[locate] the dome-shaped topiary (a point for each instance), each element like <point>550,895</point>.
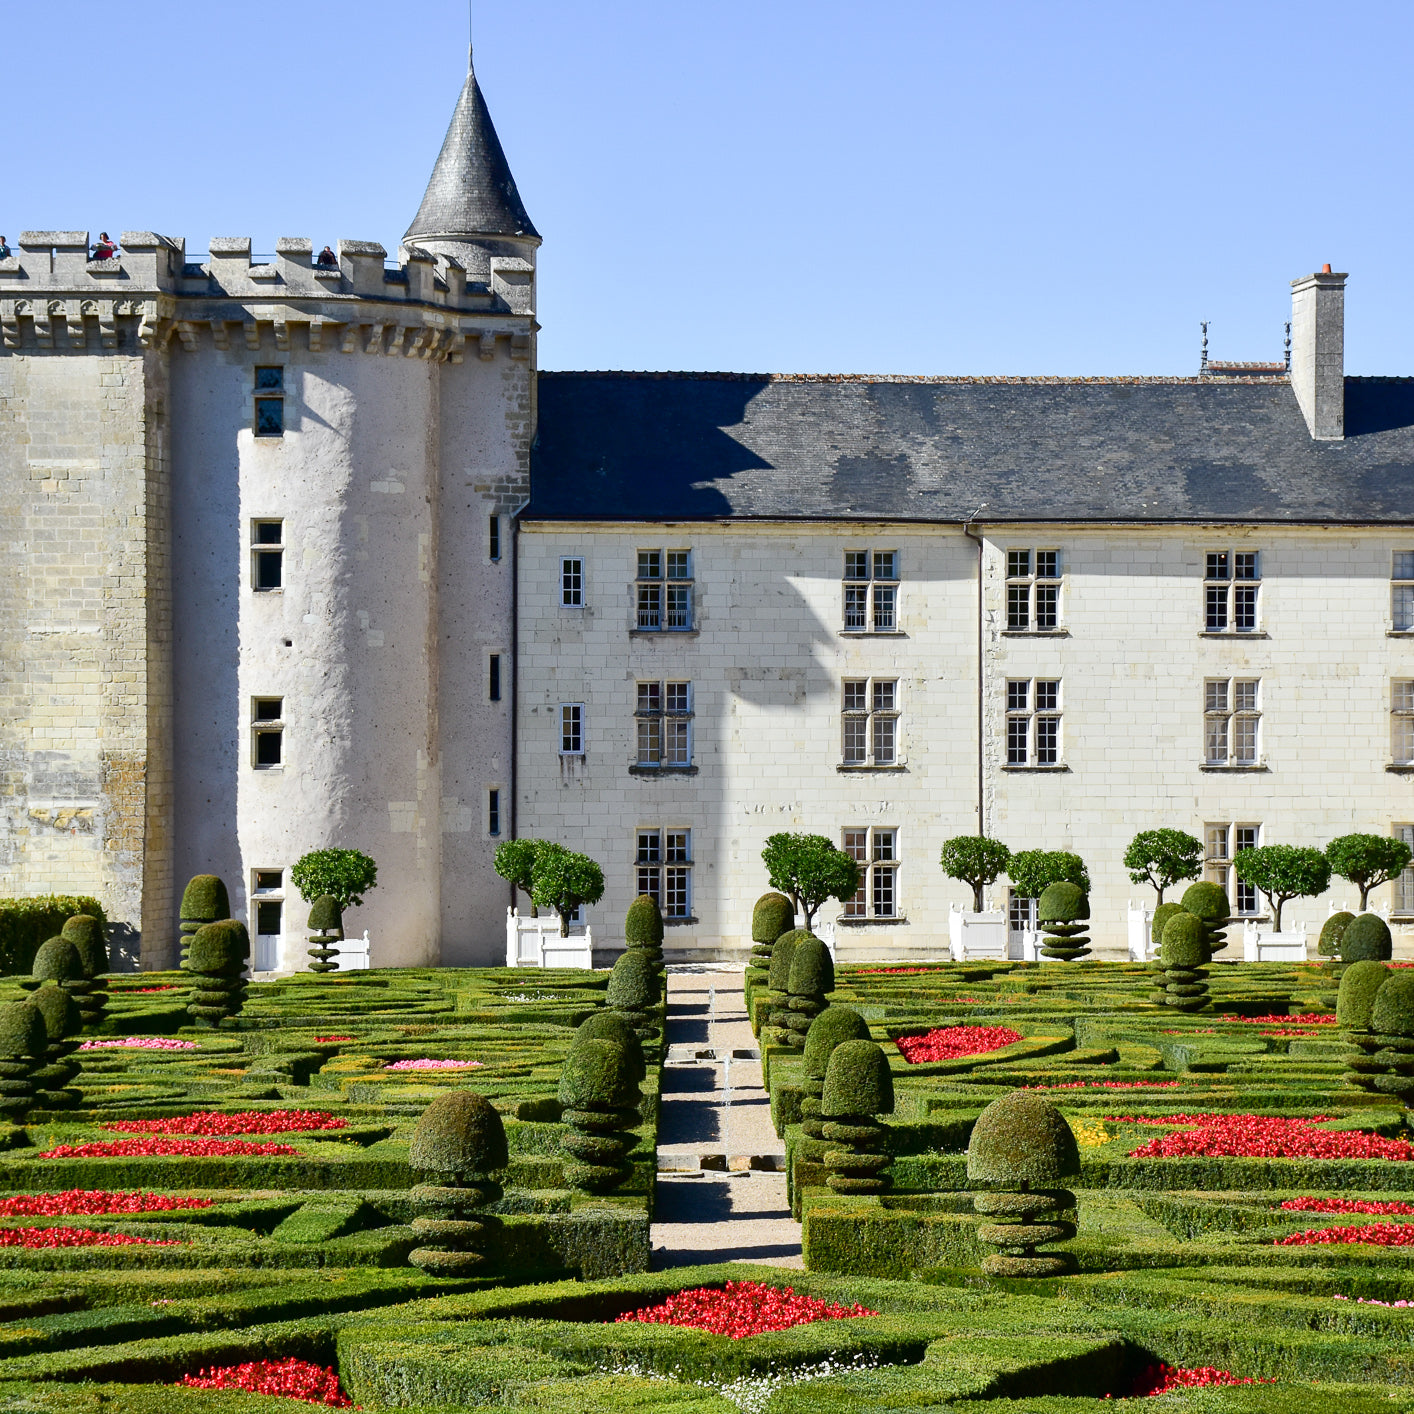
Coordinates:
<point>833,1026</point>
<point>1356,1000</point>
<point>610,1026</point>
<point>1162,914</point>
<point>57,960</point>
<point>1022,1141</point>
<point>85,932</point>
<point>220,949</point>
<point>325,915</point>
<point>1207,901</point>
<point>773,915</point>
<point>204,900</point>
<point>461,1135</point>
<point>782,954</point>
<point>1393,1010</point>
<point>22,1031</point>
<point>1062,903</point>
<point>812,970</point>
<point>858,1086</point>
<point>1366,939</point>
<point>1332,931</point>
<point>63,1019</point>
<point>643,924</point>
<point>858,1080</point>
<point>597,1090</point>
<point>633,983</point>
<point>597,1074</point>
<point>59,1011</point>
<point>1184,945</point>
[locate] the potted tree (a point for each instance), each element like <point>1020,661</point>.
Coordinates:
<point>809,869</point>
<point>977,862</point>
<point>1032,872</point>
<point>1161,859</point>
<point>1368,861</point>
<point>1280,872</point>
<point>343,875</point>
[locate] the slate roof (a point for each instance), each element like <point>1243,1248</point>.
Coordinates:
<point>684,446</point>
<point>472,192</point>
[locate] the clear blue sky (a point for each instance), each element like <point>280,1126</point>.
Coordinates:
<point>892,187</point>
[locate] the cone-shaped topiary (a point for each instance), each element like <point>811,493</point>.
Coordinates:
<point>458,1145</point>
<point>1359,985</point>
<point>776,1031</point>
<point>1366,939</point>
<point>834,1025</point>
<point>633,992</point>
<point>643,928</point>
<point>63,1021</point>
<point>858,1086</point>
<point>600,1095</point>
<point>23,1041</point>
<point>204,900</point>
<point>1021,1151</point>
<point>773,915</point>
<point>1063,911</point>
<point>1388,1046</point>
<point>216,959</point>
<point>60,961</point>
<point>1209,902</point>
<point>812,977</point>
<point>326,927</point>
<point>1184,957</point>
<point>1162,914</point>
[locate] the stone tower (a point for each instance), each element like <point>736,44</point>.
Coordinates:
<point>257,588</point>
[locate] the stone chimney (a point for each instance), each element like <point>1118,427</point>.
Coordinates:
<point>1318,352</point>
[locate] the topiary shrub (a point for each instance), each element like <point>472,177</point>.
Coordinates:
<point>599,1095</point>
<point>1162,914</point>
<point>776,1031</point>
<point>1020,1152</point>
<point>216,958</point>
<point>457,1148</point>
<point>1332,931</point>
<point>326,927</point>
<point>1389,1043</point>
<point>832,1027</point>
<point>772,916</point>
<point>1366,939</point>
<point>1061,912</point>
<point>1209,903</point>
<point>1359,985</point>
<point>23,1041</point>
<point>63,1022</point>
<point>1184,958</point>
<point>85,932</point>
<point>59,961</point>
<point>643,929</point>
<point>204,900</point>
<point>812,976</point>
<point>858,1086</point>
<point>633,992</point>
<point>610,1026</point>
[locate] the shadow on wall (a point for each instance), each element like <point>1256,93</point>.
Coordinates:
<point>124,947</point>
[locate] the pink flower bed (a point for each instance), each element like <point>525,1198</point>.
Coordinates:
<point>1109,1085</point>
<point>1261,1137</point>
<point>294,1379</point>
<point>1160,1379</point>
<point>161,1147</point>
<point>34,1237</point>
<point>1376,1234</point>
<point>953,1042</point>
<point>433,1065</point>
<point>92,1202</point>
<point>743,1308</point>
<point>246,1122</point>
<point>1346,1205</point>
<point>1371,1301</point>
<point>328,1040</point>
<point>140,1043</point>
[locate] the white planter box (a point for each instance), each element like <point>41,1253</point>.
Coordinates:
<point>1259,945</point>
<point>976,935</point>
<point>1141,933</point>
<point>536,942</point>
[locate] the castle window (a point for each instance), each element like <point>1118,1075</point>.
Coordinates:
<point>1033,722</point>
<point>1222,845</point>
<point>493,539</point>
<point>267,554</point>
<point>1033,585</point>
<point>876,853</point>
<point>571,729</point>
<point>663,716</point>
<point>1232,718</point>
<point>663,869</point>
<point>871,591</point>
<point>572,582</point>
<point>1231,580</point>
<point>268,896</point>
<point>267,732</point>
<point>493,677</point>
<point>1402,722</point>
<point>663,591</point>
<point>870,722</point>
<point>1402,591</point>
<point>1404,884</point>
<point>269,402</point>
<point>493,812</point>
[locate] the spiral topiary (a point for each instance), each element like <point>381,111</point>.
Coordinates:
<point>60,961</point>
<point>858,1086</point>
<point>833,1026</point>
<point>633,992</point>
<point>457,1148</point>
<point>1020,1152</point>
<point>204,900</point>
<point>1359,985</point>
<point>643,928</point>
<point>776,1031</point>
<point>773,915</point>
<point>1209,903</point>
<point>599,1095</point>
<point>610,1026</point>
<point>1389,1043</point>
<point>1162,914</point>
<point>326,927</point>
<point>216,958</point>
<point>1366,939</point>
<point>812,977</point>
<point>1062,913</point>
<point>63,1021</point>
<point>1184,957</point>
<point>23,1041</point>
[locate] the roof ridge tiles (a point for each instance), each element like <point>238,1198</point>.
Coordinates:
<point>1044,380</point>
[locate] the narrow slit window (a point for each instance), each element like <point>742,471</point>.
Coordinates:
<point>493,677</point>
<point>493,538</point>
<point>270,402</point>
<point>493,812</point>
<point>267,554</point>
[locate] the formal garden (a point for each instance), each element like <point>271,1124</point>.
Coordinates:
<point>1040,1187</point>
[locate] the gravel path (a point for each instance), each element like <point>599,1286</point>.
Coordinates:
<point>721,1166</point>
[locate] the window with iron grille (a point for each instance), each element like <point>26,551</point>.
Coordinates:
<point>1232,719</point>
<point>663,718</point>
<point>1222,843</point>
<point>571,729</point>
<point>1033,586</point>
<point>1033,721</point>
<point>663,869</point>
<point>572,582</point>
<point>871,591</point>
<point>875,850</point>
<point>1231,581</point>
<point>663,591</point>
<point>870,721</point>
<point>1402,591</point>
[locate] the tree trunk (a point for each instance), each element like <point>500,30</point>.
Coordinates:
<point>809,917</point>
<point>564,922</point>
<point>1276,914</point>
<point>1365,897</point>
<point>977,898</point>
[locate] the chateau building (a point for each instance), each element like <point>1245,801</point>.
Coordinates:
<point>302,555</point>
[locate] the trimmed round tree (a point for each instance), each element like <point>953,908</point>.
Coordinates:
<point>1392,1036</point>
<point>326,928</point>
<point>23,1041</point>
<point>63,1022</point>
<point>634,991</point>
<point>216,960</point>
<point>204,900</point>
<point>833,1026</point>
<point>515,863</point>
<point>811,869</point>
<point>1282,872</point>
<point>976,861</point>
<point>643,928</point>
<point>1368,861</point>
<point>1184,957</point>
<point>458,1147</point>
<point>564,880</point>
<point>1208,902</point>
<point>1359,985</point>
<point>858,1088</point>
<point>600,1096</point>
<point>1021,1152</point>
<point>1063,912</point>
<point>772,916</point>
<point>812,978</point>
<point>777,1028</point>
<point>1163,858</point>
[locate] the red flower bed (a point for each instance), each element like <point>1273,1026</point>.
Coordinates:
<point>246,1122</point>
<point>160,1147</point>
<point>73,1237</point>
<point>743,1308</point>
<point>1376,1234</point>
<point>1109,1085</point>
<point>170,987</point>
<point>1346,1205</point>
<point>326,1040</point>
<point>294,1379</point>
<point>94,1202</point>
<point>894,971</point>
<point>1259,1137</point>
<point>953,1042</point>
<point>1312,1018</point>
<point>1160,1379</point>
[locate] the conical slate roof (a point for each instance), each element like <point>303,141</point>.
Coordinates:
<point>472,192</point>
